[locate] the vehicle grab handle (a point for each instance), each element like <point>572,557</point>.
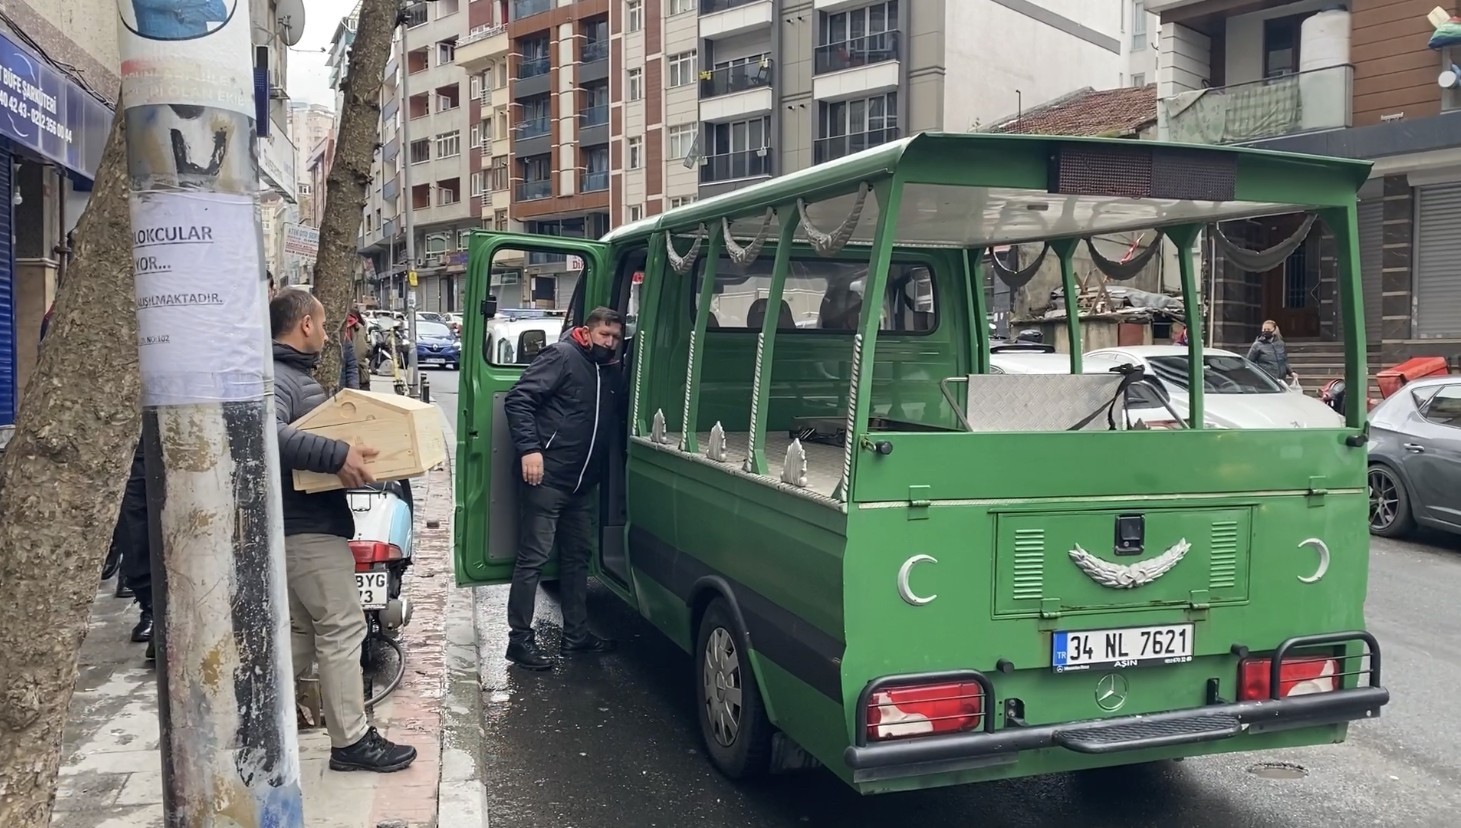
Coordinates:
<point>943,387</point>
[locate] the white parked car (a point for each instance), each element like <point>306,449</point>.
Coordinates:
<point>1143,400</point>
<point>1236,392</point>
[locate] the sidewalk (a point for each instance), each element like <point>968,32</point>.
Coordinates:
<point>111,775</point>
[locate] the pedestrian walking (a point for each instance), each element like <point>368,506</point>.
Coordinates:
<point>1179,333</point>
<point>1269,352</point>
<point>349,357</point>
<point>561,413</point>
<point>132,538</point>
<point>327,623</point>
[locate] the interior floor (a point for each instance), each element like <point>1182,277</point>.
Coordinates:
<point>824,462</point>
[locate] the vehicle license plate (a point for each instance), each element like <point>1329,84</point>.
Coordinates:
<point>1130,647</point>
<point>435,362</point>
<point>372,586</point>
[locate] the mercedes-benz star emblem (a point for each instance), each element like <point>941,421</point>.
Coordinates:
<point>1111,692</point>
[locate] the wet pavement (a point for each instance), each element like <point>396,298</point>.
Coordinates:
<point>610,741</point>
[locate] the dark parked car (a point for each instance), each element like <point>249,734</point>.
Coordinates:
<point>1415,458</point>
<point>437,346</point>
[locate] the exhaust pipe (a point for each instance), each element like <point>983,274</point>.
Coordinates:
<point>397,613</point>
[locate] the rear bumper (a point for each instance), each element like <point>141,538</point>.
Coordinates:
<point>1209,723</point>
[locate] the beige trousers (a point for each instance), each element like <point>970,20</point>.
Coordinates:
<point>327,625</point>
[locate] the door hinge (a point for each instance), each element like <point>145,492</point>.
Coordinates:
<point>1317,491</point>
<point>920,497</point>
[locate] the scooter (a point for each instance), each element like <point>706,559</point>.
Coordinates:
<point>383,547</point>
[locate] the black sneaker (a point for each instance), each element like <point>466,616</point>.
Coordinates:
<point>526,654</point>
<point>590,643</point>
<point>143,630</point>
<point>372,753</point>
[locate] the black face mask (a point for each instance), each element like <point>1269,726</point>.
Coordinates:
<point>1266,336</point>
<point>600,355</point>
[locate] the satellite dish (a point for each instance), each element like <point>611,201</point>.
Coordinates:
<point>290,15</point>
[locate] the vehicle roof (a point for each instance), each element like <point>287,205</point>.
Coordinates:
<point>1163,350</point>
<point>1057,363</point>
<point>1001,203</point>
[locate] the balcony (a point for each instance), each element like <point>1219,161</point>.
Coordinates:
<point>830,149</point>
<point>480,46</point>
<point>535,190</point>
<point>593,182</point>
<point>857,52</point>
<point>532,128</point>
<point>1244,112</point>
<point>532,67</point>
<point>528,8</point>
<point>732,166</point>
<point>595,50</point>
<point>728,80</point>
<point>593,116</point>
<point>727,18</point>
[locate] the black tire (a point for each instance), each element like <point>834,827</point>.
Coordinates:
<point>737,738</point>
<point>1390,515</point>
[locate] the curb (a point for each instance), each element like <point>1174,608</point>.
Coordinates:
<point>461,792</point>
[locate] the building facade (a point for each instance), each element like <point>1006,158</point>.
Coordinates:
<point>1355,82</point>
<point>425,163</point>
<point>310,127</point>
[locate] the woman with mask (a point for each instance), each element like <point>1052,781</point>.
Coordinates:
<point>1269,353</point>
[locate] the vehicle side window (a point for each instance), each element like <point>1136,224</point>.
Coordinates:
<point>576,310</point>
<point>1444,407</point>
<point>529,344</point>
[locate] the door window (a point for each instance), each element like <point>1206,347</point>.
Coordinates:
<point>1444,407</point>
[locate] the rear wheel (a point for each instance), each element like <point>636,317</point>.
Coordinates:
<point>1390,515</point>
<point>733,720</point>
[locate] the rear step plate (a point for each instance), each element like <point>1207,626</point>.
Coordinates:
<point>1115,738</point>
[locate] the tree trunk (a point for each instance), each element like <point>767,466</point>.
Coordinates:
<point>356,143</point>
<point>61,482</point>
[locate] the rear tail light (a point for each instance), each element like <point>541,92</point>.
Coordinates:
<point>1298,676</point>
<point>924,710</point>
<point>369,553</point>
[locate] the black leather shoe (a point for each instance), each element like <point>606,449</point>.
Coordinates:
<point>143,630</point>
<point>526,654</point>
<point>372,753</point>
<point>590,643</point>
<point>123,591</point>
<point>113,563</point>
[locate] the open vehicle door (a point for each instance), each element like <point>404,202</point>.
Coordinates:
<point>487,470</point>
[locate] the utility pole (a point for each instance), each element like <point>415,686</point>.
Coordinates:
<point>225,686</point>
<point>412,377</point>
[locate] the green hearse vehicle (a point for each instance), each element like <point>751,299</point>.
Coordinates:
<point>883,556</point>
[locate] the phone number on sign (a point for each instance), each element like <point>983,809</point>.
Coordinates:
<point>43,121</point>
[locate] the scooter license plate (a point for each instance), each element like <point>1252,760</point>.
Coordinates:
<point>372,587</point>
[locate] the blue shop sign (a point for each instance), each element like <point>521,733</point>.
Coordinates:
<point>44,111</point>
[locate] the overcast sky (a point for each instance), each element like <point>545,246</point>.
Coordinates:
<point>309,79</point>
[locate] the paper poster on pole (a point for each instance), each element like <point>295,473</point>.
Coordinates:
<point>186,53</point>
<point>200,298</point>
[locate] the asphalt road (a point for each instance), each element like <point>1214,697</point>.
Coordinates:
<point>612,741</point>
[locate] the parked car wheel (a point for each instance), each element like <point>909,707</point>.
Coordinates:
<point>733,722</point>
<point>1390,515</point>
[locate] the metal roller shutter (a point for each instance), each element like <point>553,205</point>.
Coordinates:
<point>1372,241</point>
<point>1437,258</point>
<point>8,392</point>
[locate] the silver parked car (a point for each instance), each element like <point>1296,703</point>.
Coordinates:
<point>1415,458</point>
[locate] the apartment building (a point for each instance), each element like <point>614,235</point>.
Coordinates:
<point>425,162</point>
<point>486,55</point>
<point>310,125</point>
<point>1355,82</point>
<point>718,93</point>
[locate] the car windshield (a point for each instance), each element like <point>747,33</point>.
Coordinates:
<point>1221,374</point>
<point>432,330</point>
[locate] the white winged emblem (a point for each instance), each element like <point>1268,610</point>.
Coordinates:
<point>1129,576</point>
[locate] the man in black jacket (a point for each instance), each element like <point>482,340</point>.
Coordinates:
<point>327,623</point>
<point>561,413</point>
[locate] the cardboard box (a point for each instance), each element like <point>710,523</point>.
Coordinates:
<point>407,433</point>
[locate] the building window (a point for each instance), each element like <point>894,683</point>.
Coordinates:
<point>845,127</point>
<point>681,6</point>
<point>636,84</point>
<point>636,213</point>
<point>1139,79</point>
<point>476,135</point>
<point>1138,25</point>
<point>856,24</point>
<point>1281,45</point>
<point>682,69</point>
<point>446,52</point>
<point>449,144</point>
<point>479,183</point>
<point>499,221</point>
<point>476,86</point>
<point>634,153</point>
<point>498,177</point>
<point>681,140</point>
<point>680,201</point>
<point>634,14</point>
<point>464,239</point>
<point>446,193</point>
<point>421,151</point>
